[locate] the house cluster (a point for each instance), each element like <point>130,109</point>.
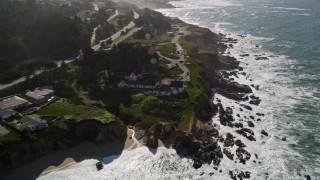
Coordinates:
<point>175,29</point>
<point>10,106</point>
<point>165,87</point>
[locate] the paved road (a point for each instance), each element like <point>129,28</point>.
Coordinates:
<point>131,25</point>
<point>184,76</point>
<point>93,37</point>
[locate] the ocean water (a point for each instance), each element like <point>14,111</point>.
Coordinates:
<point>286,31</point>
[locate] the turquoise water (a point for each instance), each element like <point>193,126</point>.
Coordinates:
<point>289,29</point>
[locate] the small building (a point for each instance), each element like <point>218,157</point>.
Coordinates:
<point>123,84</point>
<point>14,103</point>
<point>180,32</point>
<point>40,95</point>
<point>7,113</point>
<point>32,123</point>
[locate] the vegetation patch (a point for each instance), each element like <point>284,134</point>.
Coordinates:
<point>68,110</point>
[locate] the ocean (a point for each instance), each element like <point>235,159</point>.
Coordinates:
<point>288,33</point>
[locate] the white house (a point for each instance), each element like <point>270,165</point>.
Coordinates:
<point>7,113</point>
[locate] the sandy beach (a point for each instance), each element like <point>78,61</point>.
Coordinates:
<point>63,159</point>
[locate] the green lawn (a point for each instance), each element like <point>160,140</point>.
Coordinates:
<point>175,71</point>
<point>64,108</point>
<point>167,49</point>
<point>11,136</point>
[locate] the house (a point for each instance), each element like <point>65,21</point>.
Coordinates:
<point>177,86</point>
<point>14,103</point>
<point>32,123</point>
<point>7,113</point>
<point>40,95</point>
<point>163,91</point>
<point>169,88</point>
<point>123,84</point>
<point>134,76</point>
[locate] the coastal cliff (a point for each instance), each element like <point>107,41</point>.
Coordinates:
<point>27,150</point>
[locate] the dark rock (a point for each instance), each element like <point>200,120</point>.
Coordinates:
<point>258,119</point>
<point>251,117</point>
<point>246,107</point>
<point>244,175</point>
<point>239,143</point>
<point>197,164</point>
<point>247,133</point>
<point>259,114</point>
<point>215,168</point>
<point>202,173</point>
<point>243,155</point>
<point>232,175</point>
<point>210,174</point>
<point>263,132</point>
<point>238,115</point>
<point>238,125</point>
<point>262,58</point>
<point>250,124</point>
<point>228,153</point>
<point>256,155</point>
<point>244,55</point>
<point>255,101</point>
<point>229,142</point>
<point>308,177</point>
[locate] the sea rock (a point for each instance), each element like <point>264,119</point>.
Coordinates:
<point>238,125</point>
<point>228,153</point>
<point>243,155</point>
<point>263,132</point>
<point>255,101</point>
<point>259,114</point>
<point>247,133</point>
<point>239,143</point>
<point>229,142</point>
<point>244,55</point>
<point>308,177</point>
<point>250,124</point>
<point>246,107</point>
<point>262,58</point>
<point>197,164</point>
<point>243,175</point>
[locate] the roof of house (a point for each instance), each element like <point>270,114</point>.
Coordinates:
<point>30,121</point>
<point>6,112</point>
<point>40,92</point>
<point>11,102</point>
<point>178,84</point>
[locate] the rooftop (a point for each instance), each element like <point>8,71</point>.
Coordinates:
<point>6,111</point>
<point>12,102</point>
<point>40,92</point>
<point>30,121</point>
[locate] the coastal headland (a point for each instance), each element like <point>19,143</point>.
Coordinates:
<point>125,116</point>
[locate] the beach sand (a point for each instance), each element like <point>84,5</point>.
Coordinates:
<point>63,159</point>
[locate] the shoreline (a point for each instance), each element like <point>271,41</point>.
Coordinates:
<point>60,160</point>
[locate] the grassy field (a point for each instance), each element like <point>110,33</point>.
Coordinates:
<point>10,137</point>
<point>167,49</point>
<point>67,110</point>
<point>175,71</point>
